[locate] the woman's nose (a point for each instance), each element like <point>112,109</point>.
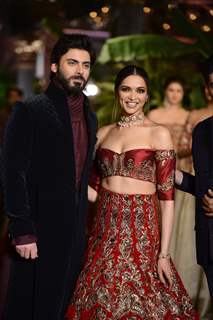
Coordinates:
<point>132,95</point>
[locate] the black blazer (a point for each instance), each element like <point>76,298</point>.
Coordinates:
<point>40,194</point>
<point>202,151</point>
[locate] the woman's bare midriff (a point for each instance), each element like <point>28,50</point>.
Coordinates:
<point>126,185</point>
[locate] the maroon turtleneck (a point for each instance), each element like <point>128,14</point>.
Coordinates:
<point>79,129</point>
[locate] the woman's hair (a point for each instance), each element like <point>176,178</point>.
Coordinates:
<point>127,71</point>
<point>174,80</point>
<point>130,70</point>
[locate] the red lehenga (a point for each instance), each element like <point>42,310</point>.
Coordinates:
<point>119,280</point>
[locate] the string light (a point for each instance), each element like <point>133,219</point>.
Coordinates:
<point>22,46</point>
<point>146,9</point>
<point>93,14</point>
<point>166,26</point>
<point>206,28</point>
<point>171,6</point>
<point>105,9</point>
<point>192,16</point>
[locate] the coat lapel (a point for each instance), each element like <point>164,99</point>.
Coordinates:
<point>59,103</point>
<point>210,220</point>
<point>211,151</point>
<point>61,109</point>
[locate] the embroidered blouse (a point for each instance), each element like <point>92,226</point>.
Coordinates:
<point>156,166</point>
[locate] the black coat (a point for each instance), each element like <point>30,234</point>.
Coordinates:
<point>41,199</point>
<point>198,185</point>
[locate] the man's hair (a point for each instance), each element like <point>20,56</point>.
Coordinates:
<point>72,41</point>
<point>208,68</point>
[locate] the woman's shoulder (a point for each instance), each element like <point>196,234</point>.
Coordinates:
<point>104,131</point>
<point>154,126</point>
<point>198,115</point>
<point>161,137</point>
<point>159,129</point>
<point>155,113</point>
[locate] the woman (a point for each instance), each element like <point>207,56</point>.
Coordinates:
<point>178,121</point>
<point>128,273</point>
<point>175,117</point>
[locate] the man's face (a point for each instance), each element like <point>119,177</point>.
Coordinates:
<point>13,97</point>
<point>73,70</point>
<point>210,86</point>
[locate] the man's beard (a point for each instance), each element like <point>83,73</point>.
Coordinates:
<point>78,86</point>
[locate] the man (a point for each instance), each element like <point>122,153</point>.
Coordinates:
<point>201,185</point>
<point>13,95</point>
<point>47,156</point>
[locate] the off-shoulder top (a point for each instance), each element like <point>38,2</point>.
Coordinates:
<point>156,166</point>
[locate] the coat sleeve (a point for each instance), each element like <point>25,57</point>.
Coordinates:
<point>188,183</point>
<point>17,155</point>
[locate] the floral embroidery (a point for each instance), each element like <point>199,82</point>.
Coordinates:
<point>119,279</point>
<point>153,166</point>
<point>120,166</point>
<point>162,155</point>
<point>168,184</point>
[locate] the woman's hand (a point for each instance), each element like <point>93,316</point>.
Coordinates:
<point>165,271</point>
<point>92,194</point>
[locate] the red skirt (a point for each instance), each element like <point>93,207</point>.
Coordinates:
<point>119,280</point>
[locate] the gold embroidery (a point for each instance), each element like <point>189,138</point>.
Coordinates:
<point>168,184</point>
<point>120,279</point>
<point>161,155</point>
<point>120,166</point>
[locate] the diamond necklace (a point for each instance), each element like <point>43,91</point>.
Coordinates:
<point>132,120</point>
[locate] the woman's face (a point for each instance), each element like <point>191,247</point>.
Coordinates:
<point>174,93</point>
<point>132,94</point>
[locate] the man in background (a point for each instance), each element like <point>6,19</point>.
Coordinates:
<point>201,184</point>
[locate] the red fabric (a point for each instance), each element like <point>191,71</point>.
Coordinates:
<point>119,279</point>
<point>26,239</point>
<point>156,166</point>
<point>165,173</point>
<point>95,178</point>
<point>79,129</point>
<point>80,137</point>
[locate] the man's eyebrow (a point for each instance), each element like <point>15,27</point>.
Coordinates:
<point>74,60</point>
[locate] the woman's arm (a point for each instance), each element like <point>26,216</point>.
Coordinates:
<point>165,167</point>
<point>92,194</point>
<point>167,219</point>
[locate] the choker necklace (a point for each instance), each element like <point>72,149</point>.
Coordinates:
<point>130,121</point>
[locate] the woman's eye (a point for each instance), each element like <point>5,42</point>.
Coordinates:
<point>141,91</point>
<point>124,89</point>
